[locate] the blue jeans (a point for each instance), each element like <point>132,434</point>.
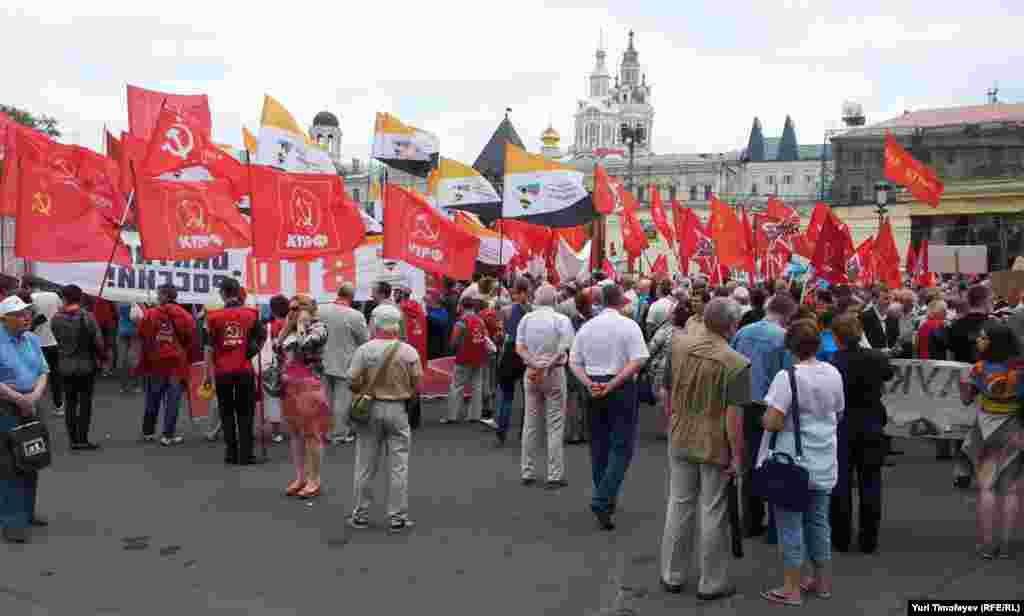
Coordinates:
<point>17,494</point>
<point>613,424</point>
<point>166,392</point>
<point>505,400</point>
<point>805,534</point>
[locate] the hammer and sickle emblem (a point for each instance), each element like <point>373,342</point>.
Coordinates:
<point>178,148</point>
<point>304,211</point>
<point>423,230</point>
<point>192,216</point>
<point>41,203</point>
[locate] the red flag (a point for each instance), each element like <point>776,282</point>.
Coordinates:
<point>681,222</point>
<point>99,176</point>
<point>144,108</point>
<point>57,220</point>
<point>660,218</point>
<point>225,166</point>
<point>887,258</point>
<point>775,261</point>
<point>911,264</point>
<point>606,196</point>
<point>748,238</point>
<point>415,327</point>
<point>178,142</point>
<point>925,278</point>
<point>301,216</point>
<point>697,242</point>
<point>133,154</point>
<point>805,245</point>
<point>609,270</point>
<point>421,236</point>
<point>530,239</point>
<point>634,240</point>
<point>905,170</point>
<point>660,267</point>
<point>575,237</point>
<point>859,266</point>
<point>830,254</point>
<point>729,237</point>
<point>189,220</point>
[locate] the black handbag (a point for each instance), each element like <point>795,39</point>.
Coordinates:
<point>414,409</point>
<point>780,479</point>
<point>30,447</point>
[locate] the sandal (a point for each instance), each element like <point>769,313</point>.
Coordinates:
<point>312,490</point>
<point>777,596</point>
<point>295,487</point>
<point>810,586</point>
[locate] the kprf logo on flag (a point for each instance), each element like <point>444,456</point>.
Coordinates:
<point>306,219</point>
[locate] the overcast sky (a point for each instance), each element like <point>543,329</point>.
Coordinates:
<point>452,67</point>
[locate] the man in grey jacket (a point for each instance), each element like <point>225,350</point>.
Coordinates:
<point>346,331</point>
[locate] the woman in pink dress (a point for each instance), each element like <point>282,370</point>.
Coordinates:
<point>300,348</point>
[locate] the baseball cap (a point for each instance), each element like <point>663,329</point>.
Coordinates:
<point>13,304</point>
<point>387,317</point>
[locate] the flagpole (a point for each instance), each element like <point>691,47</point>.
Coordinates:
<point>117,240</point>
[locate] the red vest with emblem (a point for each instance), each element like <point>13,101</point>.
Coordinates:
<point>473,350</point>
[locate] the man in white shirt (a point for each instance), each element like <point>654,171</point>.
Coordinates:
<point>346,332</point>
<point>543,339</point>
<point>606,355</point>
<point>660,310</point>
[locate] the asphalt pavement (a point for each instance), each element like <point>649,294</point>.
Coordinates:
<point>140,529</point>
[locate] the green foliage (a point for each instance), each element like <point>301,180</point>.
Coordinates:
<point>42,123</point>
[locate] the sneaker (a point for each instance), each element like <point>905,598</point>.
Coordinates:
<point>399,524</point>
<point>359,519</point>
<point>490,423</point>
<point>343,440</point>
<point>148,438</point>
<point>167,441</point>
<point>58,410</point>
<point>277,438</point>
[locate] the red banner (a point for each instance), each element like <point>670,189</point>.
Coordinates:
<point>178,142</point>
<point>634,240</point>
<point>905,170</point>
<point>606,195</point>
<point>729,237</point>
<point>421,236</point>
<point>831,254</point>
<point>660,218</point>
<point>144,108</point>
<point>887,258</point>
<point>58,222</point>
<point>189,220</point>
<point>302,216</point>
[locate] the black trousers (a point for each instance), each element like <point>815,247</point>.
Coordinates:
<point>52,356</point>
<point>862,455</point>
<point>753,507</point>
<point>236,400</point>
<point>78,390</point>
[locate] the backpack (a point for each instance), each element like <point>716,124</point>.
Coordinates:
<point>168,347</point>
<point>81,342</point>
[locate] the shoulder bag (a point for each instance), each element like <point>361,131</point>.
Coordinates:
<point>780,479</point>
<point>360,411</point>
<point>30,446</point>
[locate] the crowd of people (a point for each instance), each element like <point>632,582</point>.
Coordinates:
<point>737,374</point>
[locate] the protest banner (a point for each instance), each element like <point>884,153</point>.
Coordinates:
<point>930,390</point>
<point>197,280</point>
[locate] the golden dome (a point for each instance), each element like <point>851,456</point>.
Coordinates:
<point>550,136</point>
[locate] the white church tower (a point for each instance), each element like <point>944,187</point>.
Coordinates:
<point>608,106</point>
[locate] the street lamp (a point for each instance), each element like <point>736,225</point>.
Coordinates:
<point>881,199</point>
<point>633,137</point>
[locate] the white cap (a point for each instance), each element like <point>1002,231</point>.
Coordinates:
<point>741,294</point>
<point>387,317</point>
<point>13,304</point>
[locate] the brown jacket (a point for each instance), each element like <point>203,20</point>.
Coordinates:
<point>703,370</point>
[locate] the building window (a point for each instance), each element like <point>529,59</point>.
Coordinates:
<point>707,192</point>
<point>355,195</point>
<point>592,134</point>
<point>808,179</point>
<point>771,180</point>
<point>693,193</point>
<point>951,157</point>
<point>753,189</point>
<point>856,194</point>
<point>858,159</point>
<point>787,179</point>
<point>672,192</point>
<point>640,192</point>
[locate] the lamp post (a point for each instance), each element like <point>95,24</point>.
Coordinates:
<point>632,136</point>
<point>881,200</point>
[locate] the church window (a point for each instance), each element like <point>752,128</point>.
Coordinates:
<point>858,159</point>
<point>787,179</point>
<point>771,180</point>
<point>592,134</point>
<point>693,193</point>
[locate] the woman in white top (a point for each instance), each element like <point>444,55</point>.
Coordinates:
<point>820,396</point>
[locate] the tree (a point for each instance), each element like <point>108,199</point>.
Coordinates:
<point>755,146</point>
<point>42,123</point>
<point>789,150</point>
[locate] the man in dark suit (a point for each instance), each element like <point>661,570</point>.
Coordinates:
<point>874,319</point>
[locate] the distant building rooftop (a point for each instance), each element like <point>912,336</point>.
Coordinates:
<point>996,113</point>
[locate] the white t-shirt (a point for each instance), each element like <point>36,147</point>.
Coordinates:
<point>606,343</point>
<point>47,304</point>
<point>820,387</point>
